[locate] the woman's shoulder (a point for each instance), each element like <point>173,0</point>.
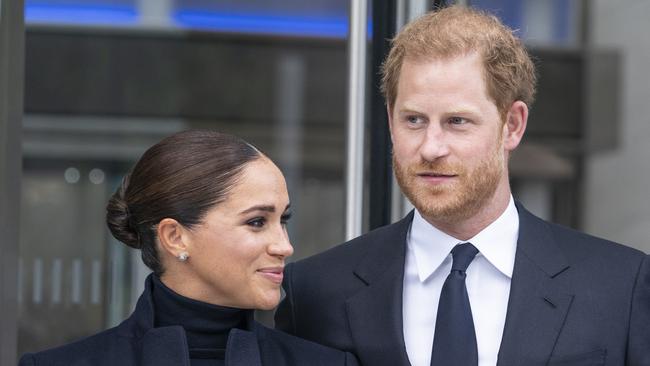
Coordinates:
<point>98,349</point>
<point>276,343</point>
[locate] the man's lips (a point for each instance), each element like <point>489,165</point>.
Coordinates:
<point>274,274</point>
<point>433,177</point>
<point>430,174</point>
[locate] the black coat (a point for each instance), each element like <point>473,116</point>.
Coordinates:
<point>574,299</point>
<point>136,342</point>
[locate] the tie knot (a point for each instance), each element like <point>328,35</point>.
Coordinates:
<point>462,255</point>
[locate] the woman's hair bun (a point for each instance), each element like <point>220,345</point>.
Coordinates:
<point>181,177</point>
<point>118,218</point>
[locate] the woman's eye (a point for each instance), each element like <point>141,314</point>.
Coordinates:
<point>284,219</point>
<point>256,222</point>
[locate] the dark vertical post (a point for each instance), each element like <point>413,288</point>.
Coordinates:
<point>11,110</point>
<point>380,175</point>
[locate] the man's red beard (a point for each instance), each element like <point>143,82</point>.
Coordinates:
<point>461,198</point>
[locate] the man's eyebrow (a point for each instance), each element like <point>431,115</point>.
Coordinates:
<point>408,110</point>
<point>461,111</point>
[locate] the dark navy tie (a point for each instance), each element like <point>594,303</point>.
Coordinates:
<point>454,340</point>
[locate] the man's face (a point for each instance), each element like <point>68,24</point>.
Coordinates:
<point>448,151</point>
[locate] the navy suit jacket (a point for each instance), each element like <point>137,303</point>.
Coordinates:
<point>137,342</point>
<point>574,299</point>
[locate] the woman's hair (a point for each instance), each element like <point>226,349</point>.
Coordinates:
<point>181,177</point>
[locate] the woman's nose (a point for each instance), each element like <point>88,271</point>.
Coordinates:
<point>281,246</point>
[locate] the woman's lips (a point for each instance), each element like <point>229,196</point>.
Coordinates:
<point>273,274</point>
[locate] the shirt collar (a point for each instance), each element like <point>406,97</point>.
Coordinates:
<point>497,243</point>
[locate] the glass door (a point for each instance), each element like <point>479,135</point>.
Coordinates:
<point>106,79</point>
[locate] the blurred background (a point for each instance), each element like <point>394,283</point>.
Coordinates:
<point>88,85</point>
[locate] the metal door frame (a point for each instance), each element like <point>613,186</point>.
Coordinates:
<point>11,111</point>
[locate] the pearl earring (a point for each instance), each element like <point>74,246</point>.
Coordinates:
<point>182,256</point>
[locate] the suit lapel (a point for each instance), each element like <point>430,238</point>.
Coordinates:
<point>538,302</point>
<point>375,312</point>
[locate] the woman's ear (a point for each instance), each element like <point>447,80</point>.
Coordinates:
<point>172,237</point>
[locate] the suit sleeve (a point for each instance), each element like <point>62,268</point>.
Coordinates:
<point>284,316</point>
<point>638,353</point>
<point>27,360</point>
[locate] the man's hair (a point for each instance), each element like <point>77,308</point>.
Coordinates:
<point>457,31</point>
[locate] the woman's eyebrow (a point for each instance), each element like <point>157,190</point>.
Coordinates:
<point>266,208</point>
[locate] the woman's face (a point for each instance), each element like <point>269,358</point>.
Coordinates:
<point>237,254</point>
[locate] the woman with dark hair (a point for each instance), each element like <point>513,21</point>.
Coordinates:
<point>208,211</point>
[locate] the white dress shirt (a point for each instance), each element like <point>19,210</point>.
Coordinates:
<point>428,262</point>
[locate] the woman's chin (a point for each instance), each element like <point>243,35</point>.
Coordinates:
<point>268,302</point>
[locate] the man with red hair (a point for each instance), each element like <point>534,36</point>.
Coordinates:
<point>470,277</point>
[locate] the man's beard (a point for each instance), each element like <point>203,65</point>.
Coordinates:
<point>463,198</point>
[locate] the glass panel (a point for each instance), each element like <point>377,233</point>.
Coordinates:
<point>552,22</point>
<point>321,18</point>
<point>62,251</point>
<point>616,199</point>
<point>96,98</point>
<point>315,18</point>
<point>95,12</point>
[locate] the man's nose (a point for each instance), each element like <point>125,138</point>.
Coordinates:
<point>434,143</point>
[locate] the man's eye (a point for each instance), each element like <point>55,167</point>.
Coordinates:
<point>413,119</point>
<point>256,222</point>
<point>457,120</point>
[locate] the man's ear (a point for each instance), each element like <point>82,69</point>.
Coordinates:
<point>172,237</point>
<point>515,125</point>
<point>389,111</point>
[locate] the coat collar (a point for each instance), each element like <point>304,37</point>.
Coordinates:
<point>375,312</point>
<point>539,300</point>
<point>537,243</point>
<point>388,250</point>
<point>167,346</point>
<point>243,349</point>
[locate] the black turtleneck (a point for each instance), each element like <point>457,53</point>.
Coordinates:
<point>207,326</point>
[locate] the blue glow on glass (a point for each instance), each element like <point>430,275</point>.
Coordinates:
<point>562,15</point>
<point>330,27</point>
<point>333,26</point>
<point>80,14</point>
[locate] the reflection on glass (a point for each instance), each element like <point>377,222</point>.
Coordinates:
<point>95,100</point>
<point>319,18</point>
<point>549,22</point>
<point>94,12</point>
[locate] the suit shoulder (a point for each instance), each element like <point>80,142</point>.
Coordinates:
<point>299,349</point>
<point>577,244</point>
